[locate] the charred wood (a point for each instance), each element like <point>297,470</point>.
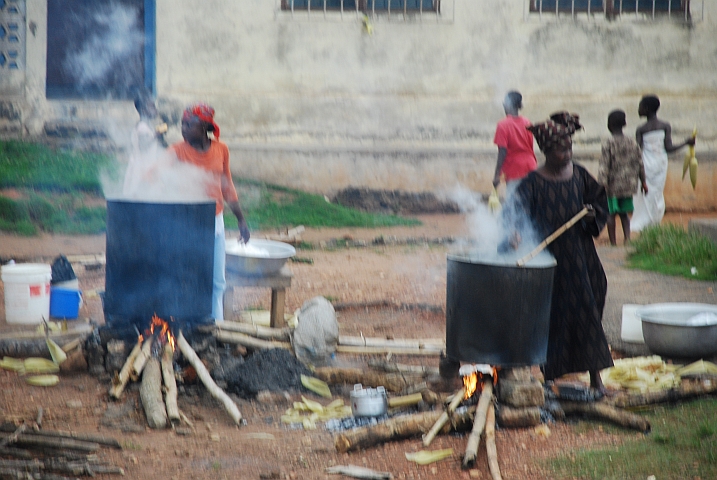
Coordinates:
<point>444,417</point>
<point>604,411</point>
<point>405,426</point>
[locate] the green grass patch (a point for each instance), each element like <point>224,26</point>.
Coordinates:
<point>682,445</point>
<point>32,165</point>
<point>270,206</point>
<point>60,192</point>
<point>672,250</point>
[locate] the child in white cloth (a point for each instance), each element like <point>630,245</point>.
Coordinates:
<point>655,138</point>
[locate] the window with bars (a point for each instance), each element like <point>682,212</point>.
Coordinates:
<point>362,5</point>
<point>611,7</point>
<point>12,34</point>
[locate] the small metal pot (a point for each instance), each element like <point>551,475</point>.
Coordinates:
<point>368,402</point>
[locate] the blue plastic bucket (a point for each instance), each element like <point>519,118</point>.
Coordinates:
<point>64,303</point>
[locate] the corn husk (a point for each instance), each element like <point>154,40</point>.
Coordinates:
<point>641,375</point>
<point>317,386</point>
<point>493,201</point>
<point>36,365</point>
<point>307,412</point>
<point>57,353</point>
<point>698,368</point>
<point>690,162</point>
<point>43,380</point>
<point>13,364</point>
<point>424,457</point>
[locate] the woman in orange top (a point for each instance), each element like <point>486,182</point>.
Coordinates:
<point>213,156</point>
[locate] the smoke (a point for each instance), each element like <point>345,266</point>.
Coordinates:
<point>113,51</point>
<point>502,236</point>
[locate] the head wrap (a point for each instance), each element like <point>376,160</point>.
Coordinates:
<point>204,113</point>
<point>556,131</point>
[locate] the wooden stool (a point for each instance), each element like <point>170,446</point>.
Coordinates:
<point>278,283</point>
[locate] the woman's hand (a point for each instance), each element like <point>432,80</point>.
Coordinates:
<point>644,187</point>
<point>591,212</point>
<point>244,231</point>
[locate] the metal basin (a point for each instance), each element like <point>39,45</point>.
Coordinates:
<point>683,330</point>
<point>258,257</point>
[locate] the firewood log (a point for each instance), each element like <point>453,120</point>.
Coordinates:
<point>150,392</point>
<point>170,385</point>
<point>688,388</point>
<point>392,367</point>
<point>258,331</point>
<point>397,428</point>
<point>236,338</point>
<point>604,411</point>
<point>206,379</point>
<point>120,381</point>
<point>35,441</point>
<point>394,383</point>
<point>490,448</point>
<point>510,417</point>
<point>486,397</point>
<point>105,441</point>
<point>443,417</point>
<point>141,360</point>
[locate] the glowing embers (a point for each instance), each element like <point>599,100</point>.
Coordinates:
<point>474,375</point>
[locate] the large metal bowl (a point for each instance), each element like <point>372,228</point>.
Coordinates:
<point>260,258</point>
<point>683,330</point>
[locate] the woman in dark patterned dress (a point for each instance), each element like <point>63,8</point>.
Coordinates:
<point>552,195</point>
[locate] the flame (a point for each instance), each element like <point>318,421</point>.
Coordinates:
<point>470,382</point>
<point>165,333</point>
<point>473,382</point>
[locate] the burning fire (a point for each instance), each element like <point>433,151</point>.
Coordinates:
<point>159,329</point>
<point>473,378</point>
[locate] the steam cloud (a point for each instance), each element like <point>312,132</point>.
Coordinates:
<point>488,229</point>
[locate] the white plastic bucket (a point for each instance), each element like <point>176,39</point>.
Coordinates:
<point>27,292</point>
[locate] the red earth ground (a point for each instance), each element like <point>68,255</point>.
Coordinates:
<point>264,448</point>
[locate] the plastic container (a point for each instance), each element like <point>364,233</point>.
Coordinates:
<point>65,303</point>
<point>27,292</point>
<point>631,330</point>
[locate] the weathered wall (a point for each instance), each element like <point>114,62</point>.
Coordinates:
<point>318,103</point>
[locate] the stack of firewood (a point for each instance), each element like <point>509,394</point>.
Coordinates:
<point>27,451</point>
<point>158,389</point>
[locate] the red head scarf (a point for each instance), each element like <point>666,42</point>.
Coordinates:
<point>204,113</point>
<point>556,131</point>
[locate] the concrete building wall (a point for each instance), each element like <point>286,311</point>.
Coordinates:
<point>317,102</point>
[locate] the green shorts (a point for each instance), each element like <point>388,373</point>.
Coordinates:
<point>617,205</point>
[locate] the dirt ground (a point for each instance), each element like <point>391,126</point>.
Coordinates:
<point>264,448</point>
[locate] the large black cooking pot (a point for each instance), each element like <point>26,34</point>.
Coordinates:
<point>498,313</point>
<point>160,259</point>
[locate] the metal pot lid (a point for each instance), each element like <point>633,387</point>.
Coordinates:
<point>360,392</point>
